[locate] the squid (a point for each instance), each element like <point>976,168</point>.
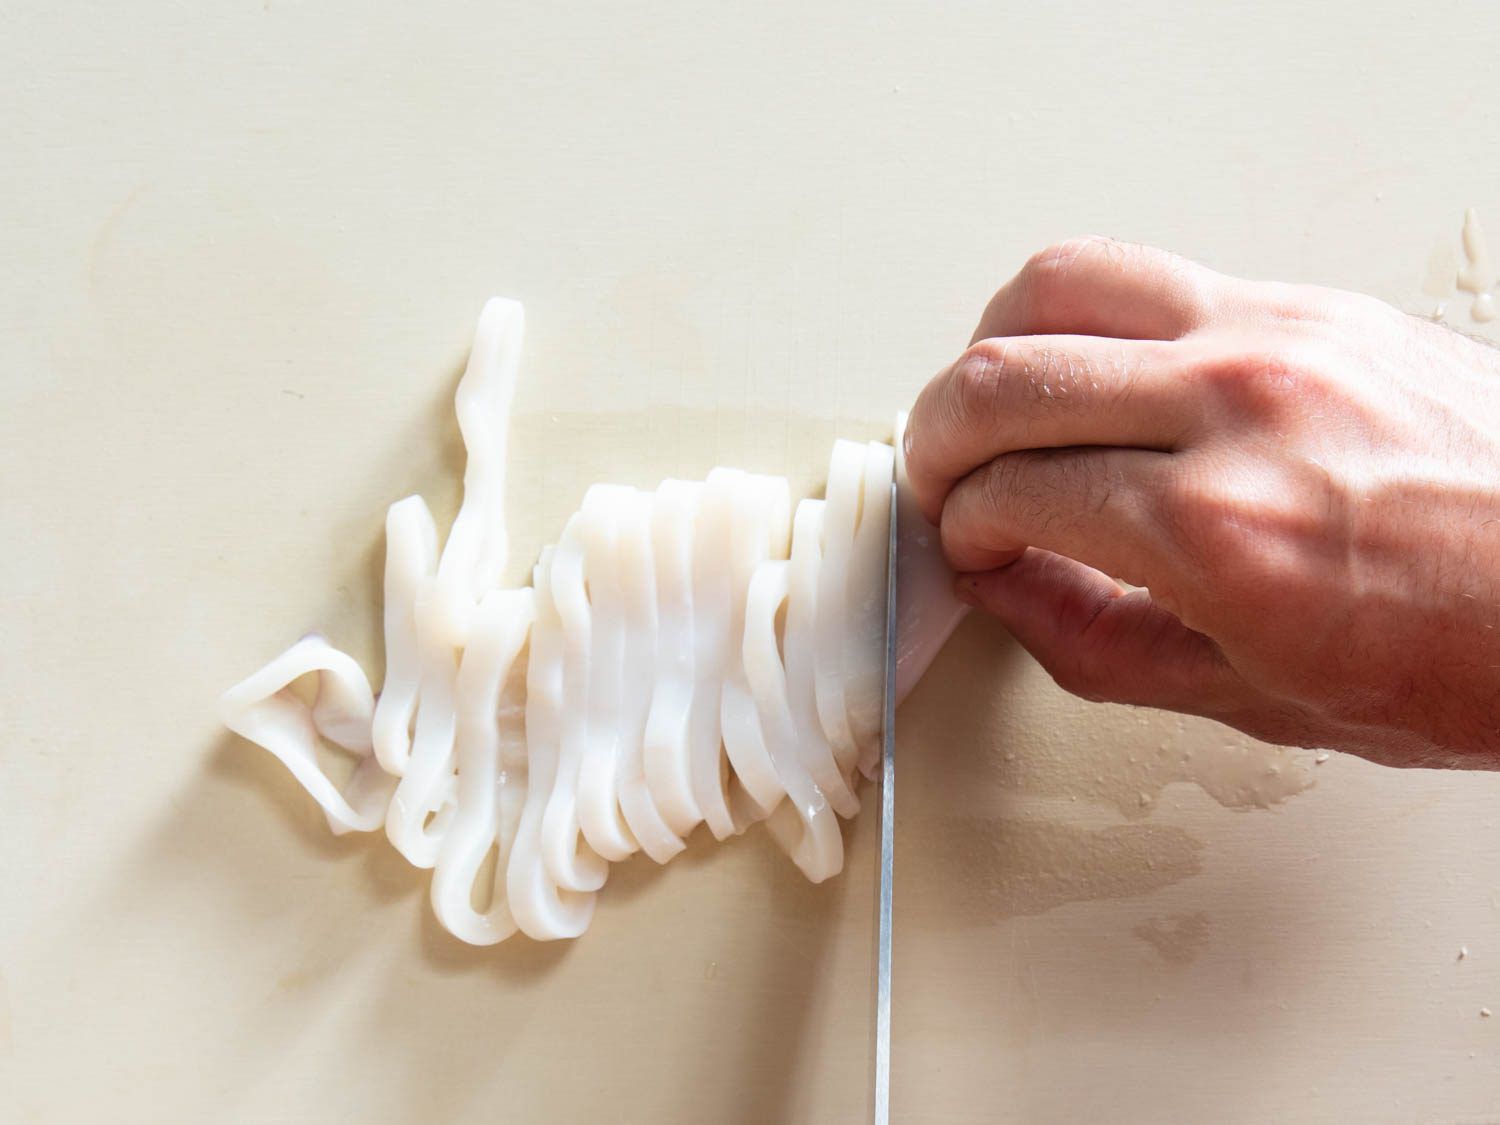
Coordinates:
<point>706,653</point>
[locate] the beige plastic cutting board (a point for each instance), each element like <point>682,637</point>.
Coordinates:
<point>241,252</point>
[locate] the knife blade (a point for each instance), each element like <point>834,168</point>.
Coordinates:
<point>887,841</point>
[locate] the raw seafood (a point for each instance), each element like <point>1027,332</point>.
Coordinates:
<point>696,654</point>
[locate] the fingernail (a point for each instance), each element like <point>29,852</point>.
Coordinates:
<point>906,441</point>
<point>966,589</point>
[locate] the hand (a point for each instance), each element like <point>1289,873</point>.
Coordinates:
<point>1303,483</point>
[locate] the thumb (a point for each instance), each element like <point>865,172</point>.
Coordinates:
<point>1101,642</point>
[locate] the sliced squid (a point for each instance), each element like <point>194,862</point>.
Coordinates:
<point>713,651</point>
<point>496,634</point>
<point>840,523</point>
<point>687,656</point>
<point>812,839</point>
<point>759,533</point>
<point>265,710</point>
<point>665,749</point>
<point>572,862</point>
<point>543,905</point>
<point>410,560</point>
<point>637,585</point>
<point>424,802</point>
<point>475,553</point>
<point>599,810</point>
<point>799,645</point>
<point>864,635</point>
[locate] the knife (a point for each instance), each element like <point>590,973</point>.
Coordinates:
<point>887,841</point>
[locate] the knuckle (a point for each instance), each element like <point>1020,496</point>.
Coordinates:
<point>929,434</point>
<point>920,427</point>
<point>1359,325</point>
<point>1242,540</point>
<point>1195,291</point>
<point>1286,301</point>
<point>971,527</point>
<point>1211,523</point>
<point>1350,309</point>
<point>976,380</point>
<point>1200,290</point>
<point>1316,310</point>
<point>1336,307</point>
<point>1051,265</point>
<point>1261,385</point>
<point>914,443</point>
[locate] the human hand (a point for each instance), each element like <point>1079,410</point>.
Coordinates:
<point>1303,483</point>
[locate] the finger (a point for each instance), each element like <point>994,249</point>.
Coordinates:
<point>1098,506</point>
<point>1038,392</point>
<point>1097,286</point>
<point>1102,643</point>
